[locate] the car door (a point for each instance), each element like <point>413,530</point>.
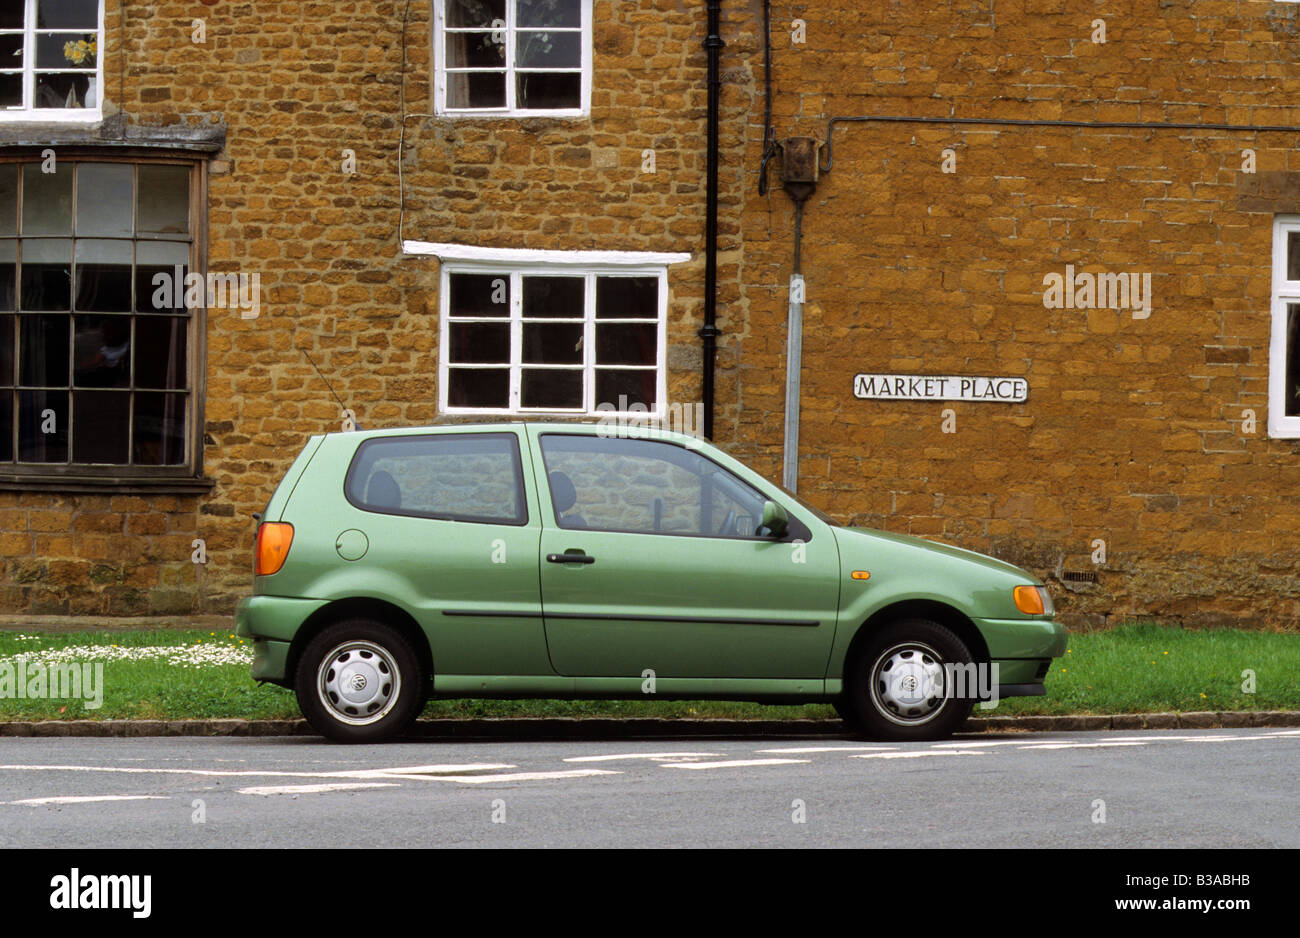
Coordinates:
<point>650,561</point>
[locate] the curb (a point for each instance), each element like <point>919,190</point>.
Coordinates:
<point>567,728</point>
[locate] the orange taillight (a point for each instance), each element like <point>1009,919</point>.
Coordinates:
<point>1028,600</point>
<point>272,547</point>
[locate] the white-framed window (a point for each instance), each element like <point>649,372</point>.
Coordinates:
<point>51,60</point>
<point>1284,344</point>
<point>560,339</point>
<point>512,58</point>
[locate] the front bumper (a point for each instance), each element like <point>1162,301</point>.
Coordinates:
<point>1023,650</point>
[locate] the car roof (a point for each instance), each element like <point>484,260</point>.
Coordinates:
<point>645,428</point>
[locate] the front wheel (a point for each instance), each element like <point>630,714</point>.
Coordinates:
<point>900,685</point>
<point>359,681</point>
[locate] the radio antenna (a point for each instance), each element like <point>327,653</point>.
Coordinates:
<point>342,406</point>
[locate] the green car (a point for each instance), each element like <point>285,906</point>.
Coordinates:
<point>621,562</point>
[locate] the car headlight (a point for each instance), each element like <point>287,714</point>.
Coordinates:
<point>1033,600</point>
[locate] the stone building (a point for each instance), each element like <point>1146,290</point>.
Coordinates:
<point>226,226</point>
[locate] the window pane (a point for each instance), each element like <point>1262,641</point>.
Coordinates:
<point>475,50</point>
<point>43,426</point>
<point>104,276</point>
<point>67,14</point>
<point>478,387</point>
<point>6,426</point>
<point>157,278</point>
<point>472,13</point>
<point>623,388</point>
<point>560,297</point>
<point>7,327</point>
<point>476,90</point>
<point>474,477</point>
<point>47,275</point>
<point>549,13</point>
<point>479,343</point>
<point>163,201</point>
<point>47,201</point>
<point>160,343</point>
<point>1291,394</point>
<point>1293,255</point>
<point>8,198</point>
<point>11,15</point>
<point>548,50</point>
<point>104,200</point>
<point>65,50</point>
<point>549,90</point>
<point>101,354</point>
<point>43,350</point>
<point>478,294</point>
<point>8,273</point>
<point>159,437</point>
<point>634,343</point>
<point>101,423</point>
<point>11,89</point>
<point>552,343</point>
<point>63,90</point>
<point>627,297</point>
<point>11,50</point>
<point>626,484</point>
<point>551,388</point>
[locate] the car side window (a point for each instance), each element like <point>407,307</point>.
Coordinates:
<point>646,487</point>
<point>458,477</point>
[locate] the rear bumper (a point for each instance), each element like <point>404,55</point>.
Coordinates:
<point>271,622</point>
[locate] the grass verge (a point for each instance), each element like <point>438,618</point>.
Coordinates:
<point>1142,668</point>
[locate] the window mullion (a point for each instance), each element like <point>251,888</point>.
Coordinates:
<point>516,339</point>
<point>589,401</point>
<point>512,103</point>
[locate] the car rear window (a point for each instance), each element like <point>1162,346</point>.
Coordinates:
<point>455,477</point>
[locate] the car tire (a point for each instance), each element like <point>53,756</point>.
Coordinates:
<point>896,686</point>
<point>359,681</point>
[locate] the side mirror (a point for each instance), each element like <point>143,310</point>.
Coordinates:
<point>775,519</point>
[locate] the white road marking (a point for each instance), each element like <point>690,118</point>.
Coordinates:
<point>85,799</point>
<point>511,777</point>
<point>802,749</point>
<point>1115,745</point>
<point>253,773</point>
<point>920,755</point>
<point>449,769</point>
<point>992,742</point>
<point>734,763</point>
<point>641,755</point>
<point>313,789</point>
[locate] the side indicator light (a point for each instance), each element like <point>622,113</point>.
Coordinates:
<point>1028,600</point>
<point>860,575</point>
<point>272,548</point>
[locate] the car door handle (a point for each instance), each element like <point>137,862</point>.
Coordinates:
<point>570,558</point>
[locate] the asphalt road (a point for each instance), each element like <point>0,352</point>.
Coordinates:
<point>1191,788</point>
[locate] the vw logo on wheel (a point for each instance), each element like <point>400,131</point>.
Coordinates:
<point>358,682</point>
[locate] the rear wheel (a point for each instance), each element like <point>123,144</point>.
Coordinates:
<point>359,681</point>
<point>898,685</point>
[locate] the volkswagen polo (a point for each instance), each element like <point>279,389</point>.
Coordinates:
<point>537,560</point>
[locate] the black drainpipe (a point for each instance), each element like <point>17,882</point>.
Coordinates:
<point>709,331</point>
